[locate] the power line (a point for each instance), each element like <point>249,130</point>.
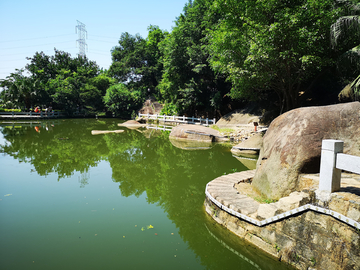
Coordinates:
<point>35,38</point>
<point>33,52</point>
<point>103,37</point>
<point>103,41</point>
<point>36,45</point>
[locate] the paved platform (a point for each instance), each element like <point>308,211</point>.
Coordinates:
<point>233,193</point>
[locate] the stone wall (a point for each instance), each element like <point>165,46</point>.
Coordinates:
<point>309,240</point>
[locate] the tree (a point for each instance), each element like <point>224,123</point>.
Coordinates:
<point>188,80</point>
<point>345,39</point>
<point>20,89</point>
<point>121,101</point>
<point>136,61</point>
<point>273,46</point>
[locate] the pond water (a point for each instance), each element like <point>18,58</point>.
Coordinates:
<point>72,200</point>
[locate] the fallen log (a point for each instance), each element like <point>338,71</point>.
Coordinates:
<point>97,132</point>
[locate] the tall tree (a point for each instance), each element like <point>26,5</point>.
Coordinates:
<point>20,90</point>
<point>273,46</point>
<point>136,61</point>
<point>188,80</point>
<point>345,39</point>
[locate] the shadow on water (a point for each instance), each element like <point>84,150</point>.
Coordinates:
<point>142,162</point>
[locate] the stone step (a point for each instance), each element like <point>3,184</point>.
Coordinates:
<point>245,206</point>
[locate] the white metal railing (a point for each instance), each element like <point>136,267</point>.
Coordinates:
<point>179,119</point>
<point>31,114</point>
<point>332,162</point>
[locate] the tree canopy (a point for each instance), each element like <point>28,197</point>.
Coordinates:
<point>220,53</point>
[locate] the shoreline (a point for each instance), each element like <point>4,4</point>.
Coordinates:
<point>313,238</point>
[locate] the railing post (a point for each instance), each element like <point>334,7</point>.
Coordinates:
<point>214,121</point>
<point>12,114</point>
<point>207,121</point>
<point>330,176</point>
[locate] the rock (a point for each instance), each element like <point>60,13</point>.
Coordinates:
<point>191,145</point>
<point>292,145</point>
<point>294,200</point>
<point>151,106</point>
<point>131,124</point>
<point>266,211</point>
<point>246,116</point>
<point>254,142</point>
<point>195,133</point>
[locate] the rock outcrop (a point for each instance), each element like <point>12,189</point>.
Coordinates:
<point>196,133</point>
<point>248,146</point>
<point>241,117</point>
<point>151,106</point>
<point>132,124</point>
<point>292,145</point>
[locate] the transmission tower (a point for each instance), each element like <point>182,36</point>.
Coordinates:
<point>81,41</point>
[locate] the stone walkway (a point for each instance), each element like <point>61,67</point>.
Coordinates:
<point>223,190</point>
<point>229,193</point>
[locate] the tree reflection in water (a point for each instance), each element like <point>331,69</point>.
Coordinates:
<point>141,161</point>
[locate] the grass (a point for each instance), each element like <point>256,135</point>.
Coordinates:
<point>222,130</point>
<point>264,200</point>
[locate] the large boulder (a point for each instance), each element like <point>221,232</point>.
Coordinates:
<point>248,146</point>
<point>292,145</point>
<point>241,117</point>
<point>196,133</point>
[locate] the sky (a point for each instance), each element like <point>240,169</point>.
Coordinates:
<point>27,27</point>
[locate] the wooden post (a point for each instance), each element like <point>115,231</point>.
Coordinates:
<point>330,176</point>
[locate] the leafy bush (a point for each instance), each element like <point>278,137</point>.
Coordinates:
<point>9,110</point>
<point>169,109</point>
<point>120,100</point>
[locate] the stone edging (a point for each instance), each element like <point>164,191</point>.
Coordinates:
<point>284,215</point>
<point>232,250</point>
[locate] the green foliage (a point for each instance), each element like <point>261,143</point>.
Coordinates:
<point>121,101</point>
<point>61,81</point>
<point>169,109</point>
<point>188,80</point>
<point>345,40</point>
<point>313,261</point>
<point>9,110</point>
<point>136,61</point>
<point>264,200</point>
<point>277,47</point>
<point>222,130</point>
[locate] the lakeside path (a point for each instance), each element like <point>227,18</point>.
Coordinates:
<point>226,193</point>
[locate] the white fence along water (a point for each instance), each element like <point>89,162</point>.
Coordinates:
<point>179,119</point>
<point>31,114</point>
<point>332,162</point>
